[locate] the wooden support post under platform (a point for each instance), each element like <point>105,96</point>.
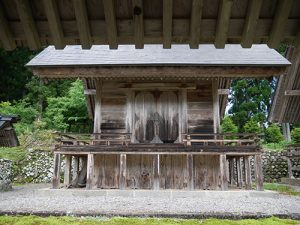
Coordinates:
<point>223,173</point>
<point>75,171</point>
<point>156,172</point>
<point>56,172</point>
<point>97,116</point>
<point>258,172</point>
<point>122,179</point>
<point>67,174</point>
<point>247,172</point>
<point>231,171</point>
<point>90,171</point>
<point>239,172</point>
<point>190,170</point>
<point>216,106</point>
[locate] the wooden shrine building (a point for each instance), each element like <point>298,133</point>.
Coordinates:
<point>157,116</point>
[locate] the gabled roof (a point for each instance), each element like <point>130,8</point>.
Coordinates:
<point>155,55</point>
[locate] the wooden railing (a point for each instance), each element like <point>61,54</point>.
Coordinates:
<point>226,139</point>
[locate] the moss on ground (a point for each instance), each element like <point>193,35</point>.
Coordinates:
<point>281,188</point>
<point>15,154</point>
<point>30,220</point>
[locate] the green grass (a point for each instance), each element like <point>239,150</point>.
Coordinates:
<point>34,220</point>
<point>15,154</point>
<point>281,188</point>
<point>277,147</point>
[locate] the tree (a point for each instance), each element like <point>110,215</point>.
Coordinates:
<point>250,98</point>
<point>273,134</point>
<point>296,135</point>
<point>252,126</point>
<point>228,126</point>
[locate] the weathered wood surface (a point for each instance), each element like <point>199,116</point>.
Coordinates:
<point>56,171</point>
<point>258,172</point>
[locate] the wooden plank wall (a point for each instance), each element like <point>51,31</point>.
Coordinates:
<point>199,108</point>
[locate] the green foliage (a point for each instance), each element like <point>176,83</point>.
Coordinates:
<point>228,126</point>
<point>24,111</point>
<point>13,74</point>
<point>277,147</point>
<point>15,153</point>
<point>296,135</point>
<point>64,111</point>
<point>273,134</point>
<point>252,126</point>
<point>34,220</point>
<point>250,98</point>
<point>281,188</point>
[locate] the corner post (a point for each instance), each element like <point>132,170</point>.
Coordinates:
<point>90,171</point>
<point>258,173</point>
<point>223,173</point>
<point>56,171</point>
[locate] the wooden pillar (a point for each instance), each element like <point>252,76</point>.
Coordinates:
<point>97,115</point>
<point>156,172</point>
<point>290,171</point>
<point>67,174</point>
<point>231,171</point>
<point>286,131</point>
<point>56,172</point>
<point>90,171</point>
<point>258,173</point>
<point>247,172</point>
<point>184,122</point>
<point>122,178</point>
<point>223,173</point>
<point>190,169</point>
<point>239,172</point>
<point>216,106</point>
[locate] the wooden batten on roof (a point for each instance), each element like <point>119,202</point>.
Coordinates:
<point>40,23</point>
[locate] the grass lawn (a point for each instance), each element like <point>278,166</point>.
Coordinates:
<point>28,220</point>
<point>281,188</point>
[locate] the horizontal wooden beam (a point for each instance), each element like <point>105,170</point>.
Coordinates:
<point>279,22</point>
<point>6,36</point>
<point>223,23</point>
<point>90,91</point>
<point>167,23</point>
<point>111,23</point>
<point>28,24</point>
<point>83,25</point>
<point>223,91</point>
<point>292,93</point>
<point>251,23</point>
<point>55,26</point>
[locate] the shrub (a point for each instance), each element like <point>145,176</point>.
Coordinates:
<point>252,126</point>
<point>296,135</point>
<point>228,126</point>
<point>273,134</point>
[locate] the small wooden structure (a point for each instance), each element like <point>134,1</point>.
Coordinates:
<point>34,23</point>
<point>157,116</point>
<point>8,136</point>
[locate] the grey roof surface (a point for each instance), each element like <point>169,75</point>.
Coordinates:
<point>155,55</point>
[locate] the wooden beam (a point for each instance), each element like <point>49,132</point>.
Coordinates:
<point>55,26</point>
<point>111,23</point>
<point>231,171</point>
<point>167,23</point>
<point>6,36</point>
<point>122,177</point>
<point>97,116</point>
<point>138,20</point>
<point>190,170</point>
<point>247,168</point>
<point>239,172</point>
<point>89,91</point>
<point>28,24</point>
<point>75,171</point>
<point>156,172</point>
<point>56,171</point>
<point>223,173</point>
<point>83,25</point>
<point>67,173</point>
<point>258,172</point>
<point>279,22</point>
<point>90,171</point>
<point>292,93</point>
<point>223,91</point>
<point>223,23</point>
<point>250,23</point>
<point>195,25</point>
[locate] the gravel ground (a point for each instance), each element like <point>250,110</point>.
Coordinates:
<point>28,200</point>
